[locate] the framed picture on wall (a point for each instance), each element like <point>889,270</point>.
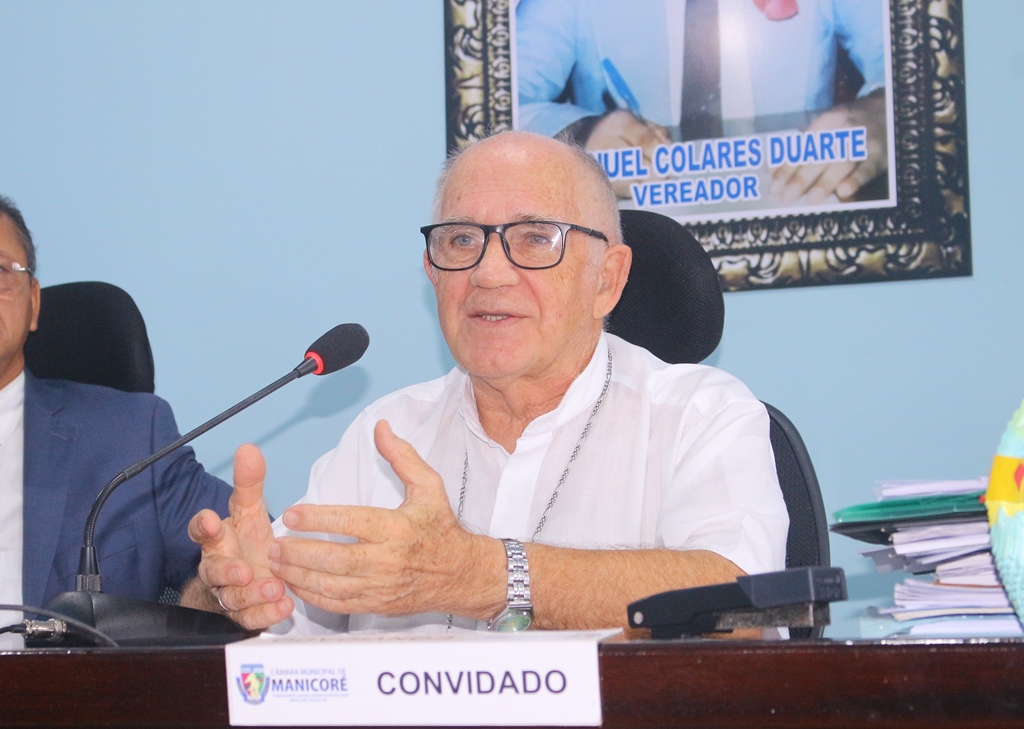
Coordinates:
<point>803,142</point>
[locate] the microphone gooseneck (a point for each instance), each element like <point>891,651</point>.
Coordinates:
<point>336,349</point>
<point>139,622</point>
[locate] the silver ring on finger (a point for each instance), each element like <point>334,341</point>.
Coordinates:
<point>220,598</point>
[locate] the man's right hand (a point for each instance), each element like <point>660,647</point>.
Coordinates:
<point>620,129</point>
<point>234,573</point>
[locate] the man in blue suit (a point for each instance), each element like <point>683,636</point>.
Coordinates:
<point>60,443</point>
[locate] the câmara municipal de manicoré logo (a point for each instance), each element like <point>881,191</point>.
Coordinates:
<point>252,683</point>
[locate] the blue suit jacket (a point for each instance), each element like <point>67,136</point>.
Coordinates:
<point>77,438</point>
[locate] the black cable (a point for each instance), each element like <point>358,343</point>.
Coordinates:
<point>59,616</point>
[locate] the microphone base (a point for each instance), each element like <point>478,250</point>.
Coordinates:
<point>133,622</point>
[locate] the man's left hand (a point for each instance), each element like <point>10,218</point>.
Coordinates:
<point>413,559</point>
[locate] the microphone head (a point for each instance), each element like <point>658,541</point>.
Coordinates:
<point>338,348</point>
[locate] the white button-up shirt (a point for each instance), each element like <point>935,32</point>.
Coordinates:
<point>12,450</point>
<point>678,457</point>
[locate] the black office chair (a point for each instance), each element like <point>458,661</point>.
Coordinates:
<point>673,307</point>
<point>91,332</point>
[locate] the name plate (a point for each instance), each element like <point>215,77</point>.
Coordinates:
<point>402,679</point>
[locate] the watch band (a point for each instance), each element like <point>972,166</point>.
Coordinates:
<point>517,615</point>
<point>518,575</point>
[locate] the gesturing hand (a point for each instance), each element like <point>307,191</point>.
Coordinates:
<point>413,559</point>
<point>235,564</point>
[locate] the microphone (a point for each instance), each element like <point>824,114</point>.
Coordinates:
<point>137,622</point>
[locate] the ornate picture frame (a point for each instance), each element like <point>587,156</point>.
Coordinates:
<point>927,234</point>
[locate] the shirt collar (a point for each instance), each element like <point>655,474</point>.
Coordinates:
<point>580,396</point>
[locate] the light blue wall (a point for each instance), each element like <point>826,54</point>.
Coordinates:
<point>255,172</point>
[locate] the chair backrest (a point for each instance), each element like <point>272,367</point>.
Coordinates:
<point>807,540</point>
<point>91,332</point>
<point>807,544</point>
<point>672,306</point>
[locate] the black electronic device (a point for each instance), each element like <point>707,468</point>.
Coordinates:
<point>794,598</point>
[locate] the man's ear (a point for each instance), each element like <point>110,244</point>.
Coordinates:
<point>615,262</point>
<point>429,269</point>
<point>34,294</point>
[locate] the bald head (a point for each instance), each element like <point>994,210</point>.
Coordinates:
<point>548,157</point>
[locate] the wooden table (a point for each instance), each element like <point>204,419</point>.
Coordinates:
<point>643,683</point>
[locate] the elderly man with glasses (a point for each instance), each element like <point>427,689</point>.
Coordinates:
<point>554,476</point>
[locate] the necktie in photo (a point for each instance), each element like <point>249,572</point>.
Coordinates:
<point>702,73</point>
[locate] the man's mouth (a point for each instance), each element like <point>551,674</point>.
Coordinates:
<point>493,317</point>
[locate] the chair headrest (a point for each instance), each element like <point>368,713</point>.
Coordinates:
<point>672,304</point>
<point>91,332</point>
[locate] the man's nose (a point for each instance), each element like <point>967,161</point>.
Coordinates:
<point>495,268</point>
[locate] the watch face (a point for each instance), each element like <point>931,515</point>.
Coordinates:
<point>512,621</point>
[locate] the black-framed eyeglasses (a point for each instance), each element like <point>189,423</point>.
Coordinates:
<point>531,244</point>
<point>9,276</point>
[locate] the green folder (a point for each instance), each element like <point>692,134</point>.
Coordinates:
<point>875,522</point>
<point>922,506</point>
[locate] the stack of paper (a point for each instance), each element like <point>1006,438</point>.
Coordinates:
<point>936,528</point>
<point>918,599</point>
<point>910,489</point>
<point>924,548</point>
<point>974,569</point>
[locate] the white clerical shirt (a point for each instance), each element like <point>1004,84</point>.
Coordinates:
<point>678,457</point>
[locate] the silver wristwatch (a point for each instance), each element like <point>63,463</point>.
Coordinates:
<point>518,612</point>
